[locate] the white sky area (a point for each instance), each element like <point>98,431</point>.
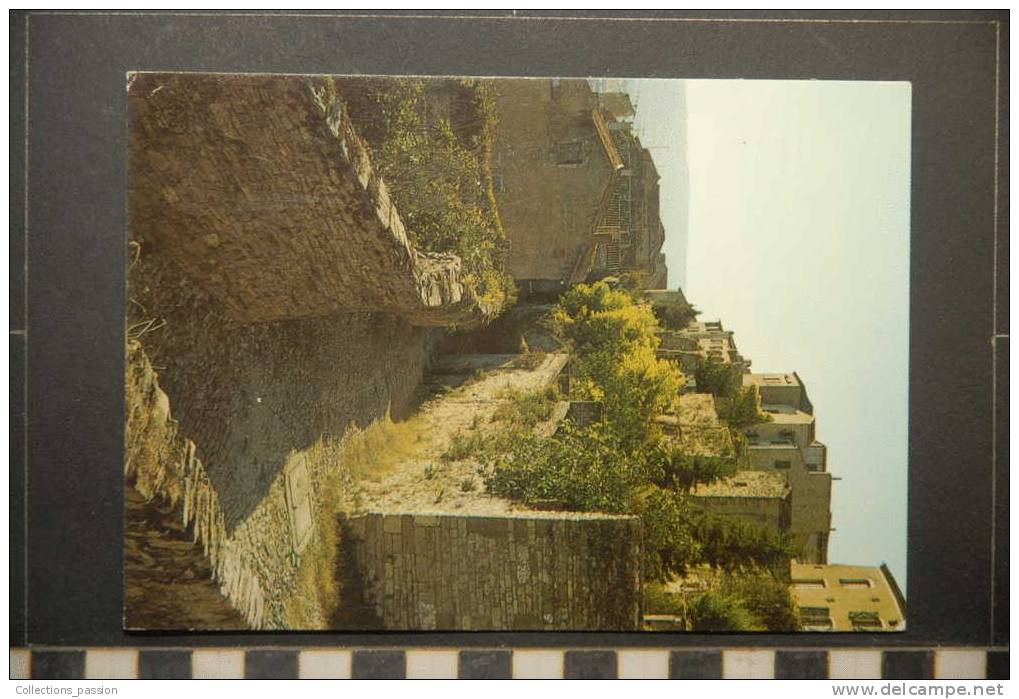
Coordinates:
<point>797,238</point>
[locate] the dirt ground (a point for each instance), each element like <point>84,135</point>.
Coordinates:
<point>424,483</point>
<point>168,581</point>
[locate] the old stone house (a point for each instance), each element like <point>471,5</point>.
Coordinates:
<point>577,193</point>
<point>810,513</point>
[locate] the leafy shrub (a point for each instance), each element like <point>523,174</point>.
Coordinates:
<point>736,545</point>
<point>582,469</point>
<point>717,378</point>
<point>527,409</point>
<point>670,544</point>
<point>674,316</point>
<point>767,599</point>
<point>670,467</point>
<point>742,409</point>
<point>716,611</point>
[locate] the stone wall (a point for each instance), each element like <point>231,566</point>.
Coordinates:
<point>262,192</point>
<point>249,395</point>
<point>218,410</point>
<point>585,412</point>
<point>548,210</point>
<point>540,571</point>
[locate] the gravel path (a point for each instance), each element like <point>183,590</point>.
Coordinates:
<point>426,483</point>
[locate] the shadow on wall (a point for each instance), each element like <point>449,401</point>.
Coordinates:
<point>520,328</point>
<point>251,394</point>
<point>354,612</point>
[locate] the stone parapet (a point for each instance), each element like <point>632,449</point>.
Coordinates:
<point>578,571</point>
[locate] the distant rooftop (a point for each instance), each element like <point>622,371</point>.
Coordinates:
<point>746,484</point>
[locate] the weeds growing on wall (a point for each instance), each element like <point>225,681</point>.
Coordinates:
<point>431,140</point>
<point>366,455</point>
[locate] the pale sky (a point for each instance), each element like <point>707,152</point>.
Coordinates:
<point>796,222</point>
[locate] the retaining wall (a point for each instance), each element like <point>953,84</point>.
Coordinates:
<point>540,571</point>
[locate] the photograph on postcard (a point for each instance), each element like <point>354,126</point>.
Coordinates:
<point>465,353</point>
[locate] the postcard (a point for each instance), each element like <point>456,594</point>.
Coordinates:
<point>479,353</point>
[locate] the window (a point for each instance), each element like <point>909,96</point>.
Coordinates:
<point>809,583</point>
<point>865,621</point>
<point>816,618</point>
<point>856,583</point>
<point>816,468</point>
<point>569,153</point>
<point>783,465</point>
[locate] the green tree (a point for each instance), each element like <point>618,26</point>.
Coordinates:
<point>767,598</point>
<point>736,545</point>
<point>671,467</point>
<point>742,409</point>
<point>714,611</point>
<point>635,389</point>
<point>674,316</point>
<point>614,348</point>
<point>717,378</point>
<point>670,544</point>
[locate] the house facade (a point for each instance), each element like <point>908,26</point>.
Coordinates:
<point>839,597</point>
<point>577,192</point>
<point>701,341</point>
<point>787,444</point>
<point>781,389</point>
<point>757,497</point>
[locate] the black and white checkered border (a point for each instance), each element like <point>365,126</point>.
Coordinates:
<point>331,663</point>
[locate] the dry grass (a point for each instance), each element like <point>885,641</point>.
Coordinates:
<point>526,408</point>
<point>317,588</point>
<point>368,455</point>
<point>374,453</point>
